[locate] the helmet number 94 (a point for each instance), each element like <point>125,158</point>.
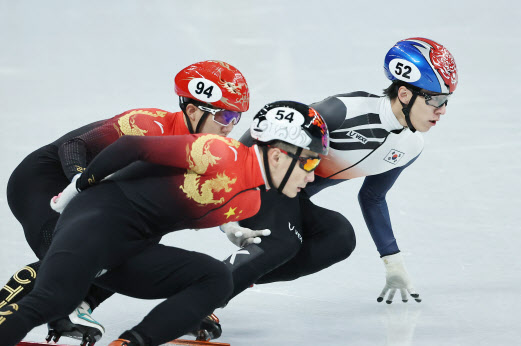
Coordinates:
<point>204,90</point>
<point>199,89</point>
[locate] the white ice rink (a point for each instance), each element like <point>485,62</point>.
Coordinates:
<point>456,211</point>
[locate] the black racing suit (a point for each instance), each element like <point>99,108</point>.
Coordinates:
<point>48,170</point>
<point>108,233</point>
<point>366,140</point>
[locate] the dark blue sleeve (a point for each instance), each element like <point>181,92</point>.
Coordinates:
<point>375,211</point>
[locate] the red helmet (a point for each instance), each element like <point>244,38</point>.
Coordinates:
<point>216,83</point>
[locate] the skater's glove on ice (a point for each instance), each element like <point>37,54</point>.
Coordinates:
<point>242,236</point>
<point>58,203</point>
<point>397,278</point>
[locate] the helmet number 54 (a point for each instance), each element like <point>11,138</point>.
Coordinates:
<point>281,115</point>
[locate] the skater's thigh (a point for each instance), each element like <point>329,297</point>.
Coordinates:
<point>31,186</point>
<point>161,271</point>
<point>282,216</point>
<point>318,221</point>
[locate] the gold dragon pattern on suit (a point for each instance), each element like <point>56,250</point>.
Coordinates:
<point>200,159</point>
<point>127,124</point>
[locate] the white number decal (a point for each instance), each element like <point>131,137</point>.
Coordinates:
<point>404,70</point>
<point>285,116</point>
<point>204,90</point>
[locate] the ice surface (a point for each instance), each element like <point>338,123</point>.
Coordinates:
<point>455,211</point>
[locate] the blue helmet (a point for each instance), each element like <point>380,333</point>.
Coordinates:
<point>422,63</point>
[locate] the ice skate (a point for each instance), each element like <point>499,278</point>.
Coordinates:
<point>124,342</point>
<point>129,338</point>
<point>209,329</point>
<point>78,325</point>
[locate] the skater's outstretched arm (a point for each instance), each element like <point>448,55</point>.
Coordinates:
<point>177,151</point>
<point>376,214</point>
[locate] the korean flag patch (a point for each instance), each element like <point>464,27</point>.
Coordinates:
<point>394,156</point>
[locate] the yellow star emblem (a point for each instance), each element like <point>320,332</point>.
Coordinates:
<point>230,212</point>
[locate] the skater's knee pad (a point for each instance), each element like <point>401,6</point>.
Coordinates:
<point>218,271</point>
<point>221,279</point>
<point>336,238</point>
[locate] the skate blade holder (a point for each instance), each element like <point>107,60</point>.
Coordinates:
<point>88,341</point>
<point>53,336</point>
<point>28,343</point>
<point>171,343</point>
<point>194,342</point>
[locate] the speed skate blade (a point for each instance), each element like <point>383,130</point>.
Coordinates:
<point>194,342</point>
<point>28,343</point>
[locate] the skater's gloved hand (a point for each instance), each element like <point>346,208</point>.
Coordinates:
<point>58,203</point>
<point>242,236</point>
<point>397,278</point>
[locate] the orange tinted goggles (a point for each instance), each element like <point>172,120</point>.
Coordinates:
<point>307,163</point>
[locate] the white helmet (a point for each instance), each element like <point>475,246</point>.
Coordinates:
<point>291,122</point>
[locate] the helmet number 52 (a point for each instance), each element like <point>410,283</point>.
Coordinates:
<point>403,70</point>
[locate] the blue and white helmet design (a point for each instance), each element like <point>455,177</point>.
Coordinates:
<point>422,63</point>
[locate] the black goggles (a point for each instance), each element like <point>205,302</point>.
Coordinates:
<point>436,101</point>
<point>221,116</point>
<point>307,163</point>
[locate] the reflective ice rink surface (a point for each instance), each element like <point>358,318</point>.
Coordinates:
<point>455,211</point>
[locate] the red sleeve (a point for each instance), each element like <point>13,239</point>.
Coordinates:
<point>87,142</point>
<point>147,122</point>
<point>177,151</point>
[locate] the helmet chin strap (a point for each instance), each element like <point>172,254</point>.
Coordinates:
<point>187,119</point>
<point>201,121</point>
<point>266,165</point>
<point>406,109</point>
<point>199,124</point>
<point>290,169</point>
<point>188,122</point>
<point>288,172</point>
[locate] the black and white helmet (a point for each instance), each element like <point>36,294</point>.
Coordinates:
<point>291,122</point>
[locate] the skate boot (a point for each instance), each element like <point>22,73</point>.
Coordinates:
<point>78,325</point>
<point>209,329</point>
<point>128,338</point>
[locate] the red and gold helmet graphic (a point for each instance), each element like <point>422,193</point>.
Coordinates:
<point>216,83</point>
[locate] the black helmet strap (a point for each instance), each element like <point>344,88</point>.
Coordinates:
<point>183,102</point>
<point>182,105</point>
<point>201,121</point>
<point>290,169</point>
<point>267,168</point>
<point>406,109</point>
<point>266,165</point>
